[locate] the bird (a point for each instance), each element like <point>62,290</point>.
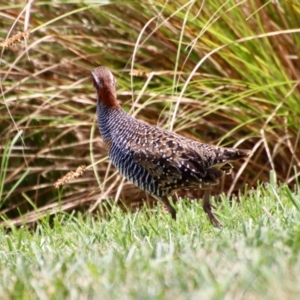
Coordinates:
<point>156,160</point>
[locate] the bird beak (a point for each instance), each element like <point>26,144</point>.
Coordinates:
<point>96,82</point>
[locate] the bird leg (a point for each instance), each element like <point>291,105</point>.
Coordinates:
<point>207,208</point>
<point>165,201</point>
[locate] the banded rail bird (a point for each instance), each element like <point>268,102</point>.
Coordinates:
<point>156,160</point>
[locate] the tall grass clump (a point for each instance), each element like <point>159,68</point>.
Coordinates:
<point>220,72</point>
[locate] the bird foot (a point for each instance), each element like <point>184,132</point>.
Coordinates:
<point>214,221</point>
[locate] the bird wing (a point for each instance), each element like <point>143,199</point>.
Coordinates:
<point>171,159</point>
<point>159,163</point>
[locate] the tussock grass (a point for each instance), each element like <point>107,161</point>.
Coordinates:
<point>219,72</point>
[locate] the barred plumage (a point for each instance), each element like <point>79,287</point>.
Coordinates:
<point>157,160</point>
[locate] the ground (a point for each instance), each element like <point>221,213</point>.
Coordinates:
<point>147,255</point>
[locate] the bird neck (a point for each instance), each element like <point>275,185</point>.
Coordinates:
<point>110,121</point>
<point>107,96</point>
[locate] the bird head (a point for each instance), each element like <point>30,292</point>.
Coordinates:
<point>105,85</point>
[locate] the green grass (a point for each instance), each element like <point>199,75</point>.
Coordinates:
<point>146,255</point>
<point>224,73</point>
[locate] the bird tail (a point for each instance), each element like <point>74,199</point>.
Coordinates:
<point>227,155</point>
<point>224,159</point>
<point>238,153</point>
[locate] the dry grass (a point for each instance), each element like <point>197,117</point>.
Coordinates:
<point>224,72</point>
